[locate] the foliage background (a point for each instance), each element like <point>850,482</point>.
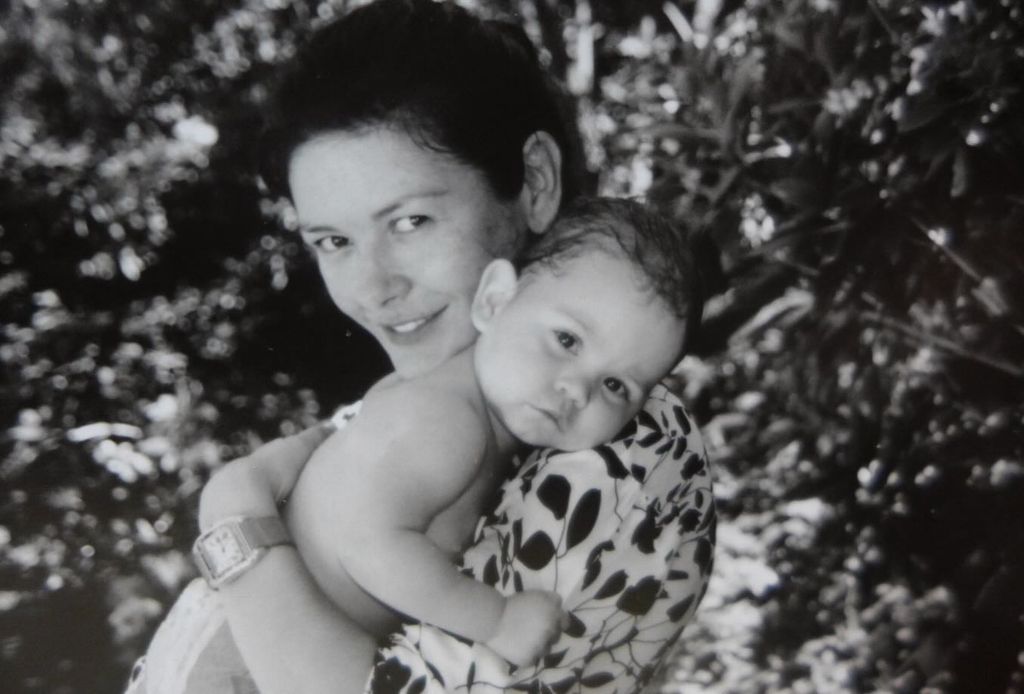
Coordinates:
<point>856,168</point>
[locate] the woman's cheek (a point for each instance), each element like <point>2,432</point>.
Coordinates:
<point>337,287</point>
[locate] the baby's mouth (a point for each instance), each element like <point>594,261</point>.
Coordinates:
<point>551,415</point>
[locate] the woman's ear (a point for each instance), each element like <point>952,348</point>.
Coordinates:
<point>542,181</point>
<point>496,288</point>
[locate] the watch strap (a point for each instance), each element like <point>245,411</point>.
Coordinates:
<point>266,531</point>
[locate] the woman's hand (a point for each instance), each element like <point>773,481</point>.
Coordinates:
<point>255,484</point>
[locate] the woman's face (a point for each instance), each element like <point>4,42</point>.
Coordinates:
<point>401,234</point>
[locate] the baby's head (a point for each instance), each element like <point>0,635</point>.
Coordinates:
<point>571,345</point>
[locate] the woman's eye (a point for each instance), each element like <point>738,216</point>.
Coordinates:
<point>329,244</point>
<point>567,340</point>
<point>404,225</point>
<point>617,388</point>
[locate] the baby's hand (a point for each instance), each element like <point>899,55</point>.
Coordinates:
<point>529,625</point>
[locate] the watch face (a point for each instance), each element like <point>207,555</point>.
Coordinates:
<point>222,551</point>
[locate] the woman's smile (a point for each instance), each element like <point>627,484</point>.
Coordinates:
<point>407,332</point>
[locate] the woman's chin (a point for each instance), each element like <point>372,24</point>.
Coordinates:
<point>410,361</point>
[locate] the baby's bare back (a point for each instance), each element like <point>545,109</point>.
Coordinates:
<point>322,515</point>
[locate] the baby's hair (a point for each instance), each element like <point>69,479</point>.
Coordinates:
<point>660,251</point>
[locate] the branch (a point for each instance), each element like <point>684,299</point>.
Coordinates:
<point>946,344</point>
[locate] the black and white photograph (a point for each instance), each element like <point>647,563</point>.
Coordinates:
<point>482,346</point>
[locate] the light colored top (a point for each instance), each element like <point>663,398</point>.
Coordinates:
<point>624,532</point>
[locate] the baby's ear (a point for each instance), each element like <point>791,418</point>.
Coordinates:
<point>497,286</point>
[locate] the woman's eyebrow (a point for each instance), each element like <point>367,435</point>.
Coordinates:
<point>419,195</point>
<point>317,229</point>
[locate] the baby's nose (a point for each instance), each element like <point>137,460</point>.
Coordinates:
<point>574,393</point>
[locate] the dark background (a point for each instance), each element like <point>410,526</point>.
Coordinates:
<point>855,166</point>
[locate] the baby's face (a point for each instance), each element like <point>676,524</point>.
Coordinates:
<point>571,357</point>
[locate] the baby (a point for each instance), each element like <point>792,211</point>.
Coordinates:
<point>568,349</point>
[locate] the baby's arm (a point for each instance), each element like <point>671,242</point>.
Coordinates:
<point>417,452</point>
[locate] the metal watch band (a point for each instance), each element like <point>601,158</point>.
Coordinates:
<point>266,531</point>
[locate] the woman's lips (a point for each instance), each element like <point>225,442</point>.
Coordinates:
<point>411,331</point>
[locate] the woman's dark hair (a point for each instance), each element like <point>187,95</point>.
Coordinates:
<point>458,84</point>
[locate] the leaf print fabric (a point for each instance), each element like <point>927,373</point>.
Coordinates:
<point>624,533</point>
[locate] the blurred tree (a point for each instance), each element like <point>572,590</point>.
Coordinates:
<point>857,164</point>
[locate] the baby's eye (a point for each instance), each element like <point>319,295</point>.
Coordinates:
<point>617,388</point>
<point>404,225</point>
<point>329,244</point>
<point>567,340</point>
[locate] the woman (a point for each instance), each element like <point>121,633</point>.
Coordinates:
<point>418,143</point>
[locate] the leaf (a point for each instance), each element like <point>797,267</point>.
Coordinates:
<point>694,465</point>
<point>418,685</point>
<point>637,599</point>
<point>391,675</point>
<point>627,431</point>
<point>921,110</point>
<point>690,520</point>
<point>491,574</point>
<point>646,419</point>
<point>612,462</point>
<point>703,555</point>
<point>960,174</point>
<point>681,419</point>
<point>597,679</point>
<point>555,658</point>
<point>680,449</point>
<point>677,611</point>
<point>650,439</point>
<point>435,673</point>
<point>646,533</point>
<point>554,492</point>
<point>561,686</point>
<point>612,586</point>
<point>639,472</point>
<point>576,627</point>
<point>595,553</point>
<point>593,571</point>
<point>678,575</point>
<point>800,193</point>
<point>537,551</point>
<point>583,517</point>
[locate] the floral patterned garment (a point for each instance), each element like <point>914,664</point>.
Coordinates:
<point>625,533</point>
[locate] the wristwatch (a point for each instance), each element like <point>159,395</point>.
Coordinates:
<point>234,545</point>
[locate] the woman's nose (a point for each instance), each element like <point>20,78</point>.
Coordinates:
<point>380,277</point>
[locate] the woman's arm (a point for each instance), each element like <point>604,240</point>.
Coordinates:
<point>292,637</point>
